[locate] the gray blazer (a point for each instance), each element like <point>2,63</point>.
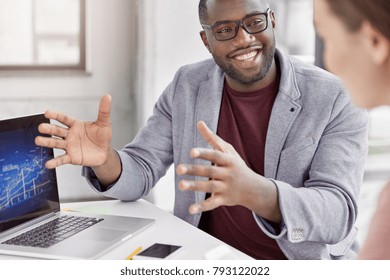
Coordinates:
<point>315,150</point>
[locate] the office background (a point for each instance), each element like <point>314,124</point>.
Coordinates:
<point>132,50</point>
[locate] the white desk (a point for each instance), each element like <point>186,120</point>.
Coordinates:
<point>167,229</point>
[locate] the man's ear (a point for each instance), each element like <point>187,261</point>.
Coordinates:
<point>376,44</point>
<point>273,19</point>
<point>204,39</point>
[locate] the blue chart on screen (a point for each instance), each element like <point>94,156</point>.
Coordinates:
<point>25,183</point>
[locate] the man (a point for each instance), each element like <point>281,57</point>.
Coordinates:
<point>279,151</point>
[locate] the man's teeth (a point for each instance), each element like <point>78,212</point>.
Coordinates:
<point>246,56</point>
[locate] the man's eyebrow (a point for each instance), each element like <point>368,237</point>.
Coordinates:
<point>247,15</point>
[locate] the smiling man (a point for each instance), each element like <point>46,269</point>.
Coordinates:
<point>275,165</point>
<point>247,66</point>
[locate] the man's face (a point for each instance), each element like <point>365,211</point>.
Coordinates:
<point>247,58</point>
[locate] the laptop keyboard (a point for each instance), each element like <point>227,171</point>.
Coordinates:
<point>53,232</point>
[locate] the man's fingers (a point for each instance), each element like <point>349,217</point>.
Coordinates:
<point>57,161</point>
<point>52,129</point>
<point>212,172</point>
<point>216,157</point>
<point>60,117</point>
<point>50,142</point>
<point>211,186</point>
<point>206,205</point>
<point>103,119</point>
<point>212,139</point>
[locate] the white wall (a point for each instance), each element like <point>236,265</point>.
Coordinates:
<point>169,38</point>
<point>111,34</point>
<point>294,24</point>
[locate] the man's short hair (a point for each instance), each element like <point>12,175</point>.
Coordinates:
<point>202,9</point>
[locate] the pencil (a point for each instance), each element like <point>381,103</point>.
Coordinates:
<point>135,252</point>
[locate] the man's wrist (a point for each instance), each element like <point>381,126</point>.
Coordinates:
<point>265,201</point>
<point>109,172</point>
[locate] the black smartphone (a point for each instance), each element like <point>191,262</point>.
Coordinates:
<point>158,251</point>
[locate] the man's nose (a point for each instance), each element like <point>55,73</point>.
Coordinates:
<point>243,36</point>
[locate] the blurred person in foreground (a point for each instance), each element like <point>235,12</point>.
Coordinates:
<point>356,36</point>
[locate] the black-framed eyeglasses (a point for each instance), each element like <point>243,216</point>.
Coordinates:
<point>227,30</point>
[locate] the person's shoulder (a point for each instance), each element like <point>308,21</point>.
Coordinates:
<point>197,72</point>
<point>313,82</point>
<point>309,70</point>
<point>203,66</point>
<point>308,78</point>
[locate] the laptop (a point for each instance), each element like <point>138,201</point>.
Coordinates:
<point>29,203</point>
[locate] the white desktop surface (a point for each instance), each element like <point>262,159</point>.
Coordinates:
<point>167,229</point>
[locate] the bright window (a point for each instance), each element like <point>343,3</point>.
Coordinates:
<point>42,34</point>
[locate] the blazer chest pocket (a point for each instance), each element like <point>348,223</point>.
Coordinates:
<point>297,148</point>
<point>295,161</point>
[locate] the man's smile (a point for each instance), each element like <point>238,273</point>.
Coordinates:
<point>246,58</point>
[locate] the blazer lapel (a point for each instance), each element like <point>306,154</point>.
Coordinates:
<point>284,113</point>
<point>208,105</point>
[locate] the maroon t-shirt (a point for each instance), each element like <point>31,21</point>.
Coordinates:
<point>243,122</point>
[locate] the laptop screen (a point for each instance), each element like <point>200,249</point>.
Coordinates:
<point>27,189</point>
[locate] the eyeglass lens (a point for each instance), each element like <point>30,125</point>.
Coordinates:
<point>228,30</point>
